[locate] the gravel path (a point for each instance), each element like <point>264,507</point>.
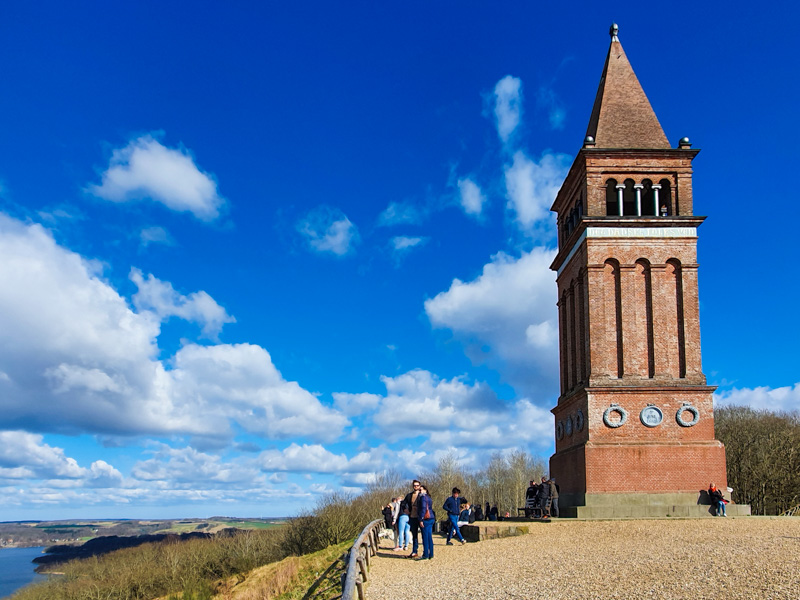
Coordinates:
<point>719,559</point>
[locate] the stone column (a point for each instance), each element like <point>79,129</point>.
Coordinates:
<point>656,190</point>
<point>638,187</point>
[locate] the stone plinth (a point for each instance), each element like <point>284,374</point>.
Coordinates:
<point>489,530</point>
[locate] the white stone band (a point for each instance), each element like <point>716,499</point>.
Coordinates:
<point>627,232</point>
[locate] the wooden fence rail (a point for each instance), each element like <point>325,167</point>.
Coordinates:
<point>364,548</point>
<point>346,576</point>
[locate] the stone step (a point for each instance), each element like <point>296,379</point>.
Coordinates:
<point>629,511</point>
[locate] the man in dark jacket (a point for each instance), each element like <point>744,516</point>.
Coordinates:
<point>412,499</point>
<point>553,497</point>
<point>544,497</point>
<point>453,508</point>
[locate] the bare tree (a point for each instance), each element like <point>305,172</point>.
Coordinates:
<point>763,455</point>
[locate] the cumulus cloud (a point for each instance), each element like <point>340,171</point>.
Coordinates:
<point>77,358</point>
<point>188,466</point>
<point>507,318</point>
<point>507,106</point>
<point>328,230</point>
<point>471,196</point>
<point>303,459</point>
<point>531,186</point>
<point>240,383</point>
<point>160,298</point>
<point>355,404</point>
<point>24,455</point>
<point>147,169</point>
<point>762,398</point>
<point>443,415</point>
<point>418,403</point>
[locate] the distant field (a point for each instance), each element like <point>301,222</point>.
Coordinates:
<point>214,525</point>
<point>45,533</point>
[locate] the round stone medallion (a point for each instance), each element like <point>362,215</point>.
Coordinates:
<point>651,416</point>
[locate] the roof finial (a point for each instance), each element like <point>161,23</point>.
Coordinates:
<point>613,32</point>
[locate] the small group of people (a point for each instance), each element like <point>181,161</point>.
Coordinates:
<point>414,513</point>
<point>718,501</point>
<point>541,499</point>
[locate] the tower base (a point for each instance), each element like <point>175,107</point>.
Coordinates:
<point>642,506</point>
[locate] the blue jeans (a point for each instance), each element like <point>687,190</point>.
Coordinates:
<point>403,531</point>
<point>720,508</point>
<point>454,525</point>
<point>413,523</point>
<point>427,538</point>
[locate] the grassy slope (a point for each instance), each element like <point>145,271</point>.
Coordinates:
<point>288,579</point>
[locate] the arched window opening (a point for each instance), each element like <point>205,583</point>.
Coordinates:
<point>613,296</point>
<point>665,199</point>
<point>674,269</point>
<point>629,199</point>
<point>612,202</point>
<point>646,282</point>
<point>649,206</point>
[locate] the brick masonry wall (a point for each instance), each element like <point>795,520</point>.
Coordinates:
<point>634,457</point>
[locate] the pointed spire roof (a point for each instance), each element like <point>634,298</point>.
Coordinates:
<point>622,116</point>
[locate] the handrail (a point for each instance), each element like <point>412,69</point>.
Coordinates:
<point>365,546</point>
<point>792,512</point>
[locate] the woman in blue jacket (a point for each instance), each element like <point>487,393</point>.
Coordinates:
<point>426,520</point>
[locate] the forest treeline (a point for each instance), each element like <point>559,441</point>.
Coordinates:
<point>762,449</point>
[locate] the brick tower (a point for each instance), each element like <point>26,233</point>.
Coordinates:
<point>634,421</point>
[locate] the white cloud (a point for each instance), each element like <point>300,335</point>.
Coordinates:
<point>508,106</point>
<point>549,100</point>
<point>155,235</point>
<point>24,456</point>
<point>402,242</point>
<point>401,245</point>
<point>328,230</point>
<point>401,213</point>
<point>471,196</point>
<point>531,186</point>
<point>240,383</point>
<point>303,459</point>
<point>418,403</point>
<point>762,398</point>
<point>355,404</point>
<point>77,358</point>
<point>525,424</point>
<point>507,318</point>
<point>188,466</point>
<point>160,298</point>
<point>147,169</point>
<point>446,415</point>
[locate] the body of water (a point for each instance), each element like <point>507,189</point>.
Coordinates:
<point>16,569</point>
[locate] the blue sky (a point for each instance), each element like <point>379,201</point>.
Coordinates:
<point>253,254</point>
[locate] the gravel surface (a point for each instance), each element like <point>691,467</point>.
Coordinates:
<point>719,559</point>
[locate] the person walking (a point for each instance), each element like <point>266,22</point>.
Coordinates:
<point>427,517</point>
<point>453,508</point>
